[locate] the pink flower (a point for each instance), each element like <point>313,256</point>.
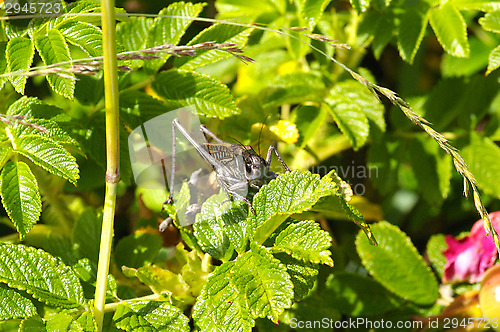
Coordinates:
<point>468,258</point>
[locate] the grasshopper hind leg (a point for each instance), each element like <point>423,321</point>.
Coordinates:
<point>206,131</point>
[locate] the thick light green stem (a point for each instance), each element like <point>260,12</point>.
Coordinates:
<point>112,154</point>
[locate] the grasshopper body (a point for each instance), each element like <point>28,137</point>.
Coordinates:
<point>236,166</point>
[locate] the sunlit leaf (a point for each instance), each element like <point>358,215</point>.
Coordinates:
<point>20,196</point>
<point>450,29</point>
<point>41,275</point>
<point>397,265</point>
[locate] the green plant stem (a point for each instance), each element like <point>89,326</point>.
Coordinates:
<point>112,155</point>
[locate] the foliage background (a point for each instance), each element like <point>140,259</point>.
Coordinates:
<point>408,47</point>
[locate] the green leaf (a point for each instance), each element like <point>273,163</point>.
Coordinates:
<point>150,316</point>
<point>491,21</point>
<point>137,249</point>
<point>51,118</point>
<point>19,55</point>
<point>86,36</point>
<point>350,119</point>
<point>41,275</point>
<point>53,131</point>
<point>221,229</point>
<point>133,34</point>
<point>256,283</point>
<point>292,192</point>
<point>358,296</point>
<point>302,274</point>
<point>53,49</point>
<point>412,26</point>
<point>294,88</point>
<point>33,323</point>
<point>304,314</point>
<point>493,60</point>
<point>59,322</point>
<point>482,155</point>
<point>208,96</point>
<point>87,272</point>
<point>308,119</point>
<point>232,8</point>
<point>3,63</point>
<point>138,107</point>
<point>152,199</point>
<point>95,142</point>
<point>432,169</point>
<point>311,11</point>
<point>195,271</point>
<point>381,159</point>
<point>305,240</point>
<point>57,244</point>
<point>89,90</point>
<point>169,27</point>
<point>475,63</point>
<point>125,164</point>
<point>87,321</point>
<point>161,280</point>
<point>435,247</point>
<point>477,99</point>
<point>10,325</point>
<point>450,29</point>
<point>35,108</point>
<point>20,196</point>
<point>81,7</point>
<point>6,153</point>
<point>220,306</point>
<point>13,305</point>
<point>357,94</point>
<point>299,46</point>
<point>262,70</point>
<point>337,203</point>
<point>368,24</point>
<point>49,155</point>
<point>169,30</point>
<point>86,235</point>
<point>385,28</point>
<point>482,5</point>
<point>75,326</point>
<point>219,33</point>
<point>263,281</point>
<point>40,25</point>
<point>444,97</point>
<point>397,265</point>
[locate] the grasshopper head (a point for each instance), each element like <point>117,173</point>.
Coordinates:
<point>256,168</point>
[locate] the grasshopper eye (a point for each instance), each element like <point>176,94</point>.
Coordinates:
<point>248,167</point>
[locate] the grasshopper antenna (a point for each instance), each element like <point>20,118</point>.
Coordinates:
<point>260,133</point>
<point>237,141</point>
<point>258,141</point>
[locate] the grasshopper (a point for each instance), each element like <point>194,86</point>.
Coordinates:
<point>236,166</point>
